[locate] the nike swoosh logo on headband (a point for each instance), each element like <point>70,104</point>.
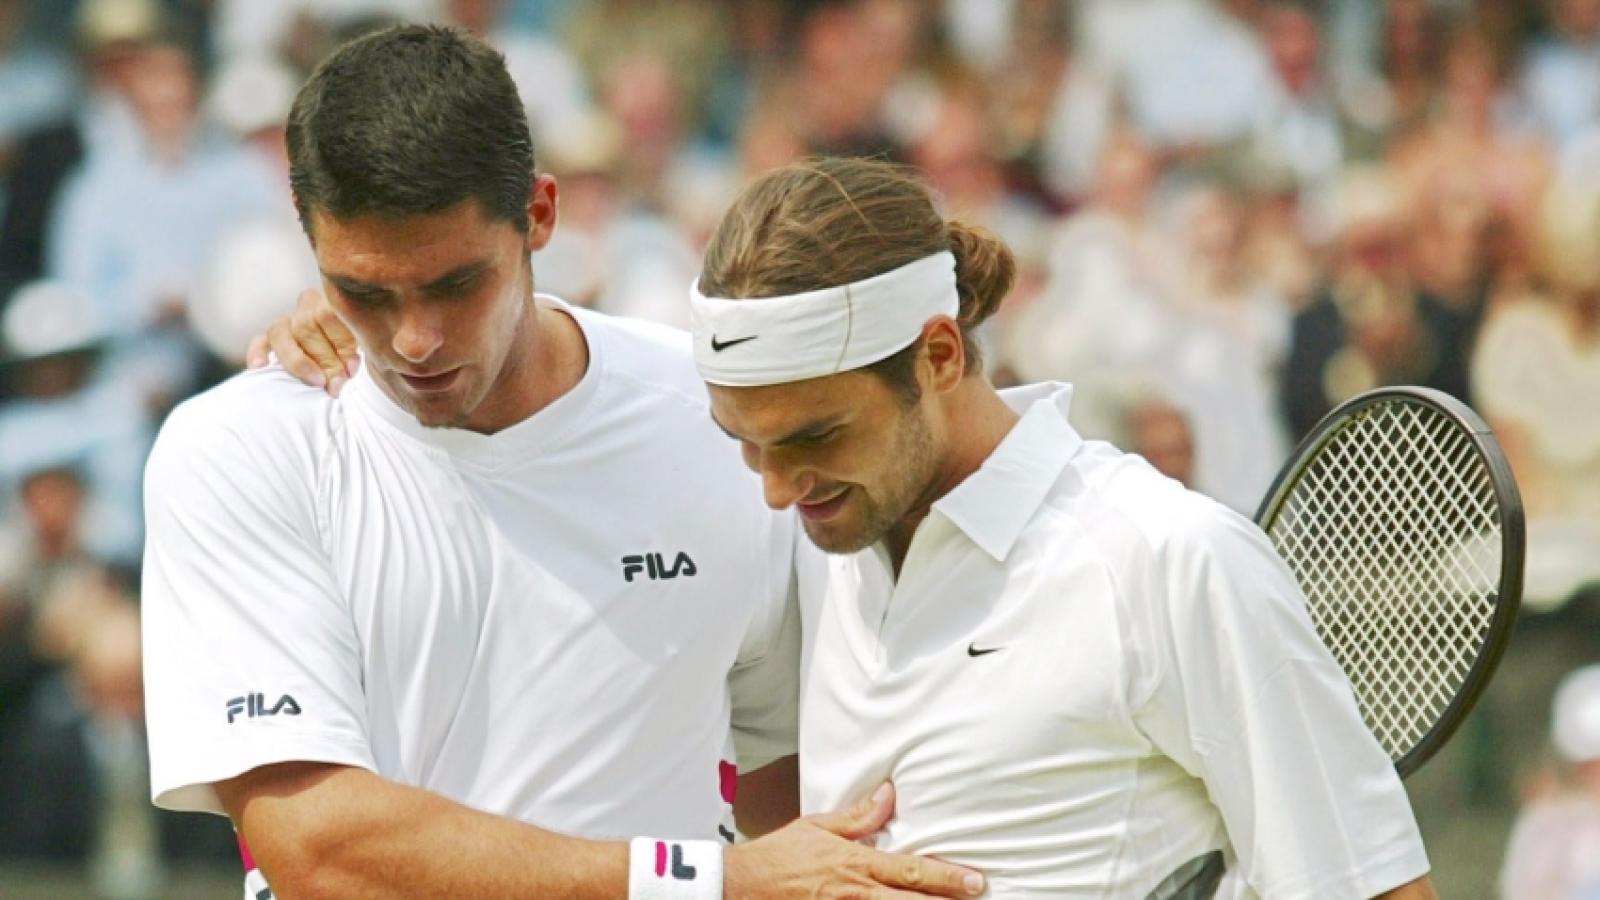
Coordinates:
<point>719,346</point>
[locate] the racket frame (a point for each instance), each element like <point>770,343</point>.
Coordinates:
<point>1512,531</point>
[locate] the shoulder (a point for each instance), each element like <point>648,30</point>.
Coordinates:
<point>653,358</point>
<point>1139,517</point>
<point>261,425</point>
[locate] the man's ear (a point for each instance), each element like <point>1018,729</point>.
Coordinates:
<point>944,355</point>
<point>542,204</point>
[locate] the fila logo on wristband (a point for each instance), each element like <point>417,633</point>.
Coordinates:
<point>674,870</point>
<point>679,870</point>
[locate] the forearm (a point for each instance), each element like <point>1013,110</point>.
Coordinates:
<point>322,831</point>
<point>1421,889</point>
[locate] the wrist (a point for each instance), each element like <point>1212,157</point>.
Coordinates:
<point>675,870</point>
<point>738,874</point>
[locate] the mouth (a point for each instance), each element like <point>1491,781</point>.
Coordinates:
<point>823,510</point>
<point>432,384</point>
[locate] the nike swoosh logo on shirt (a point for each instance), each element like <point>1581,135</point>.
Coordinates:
<point>719,346</point>
<point>972,650</point>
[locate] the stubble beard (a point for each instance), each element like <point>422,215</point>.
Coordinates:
<point>904,483</point>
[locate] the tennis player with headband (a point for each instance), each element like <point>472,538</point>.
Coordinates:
<point>1083,679</point>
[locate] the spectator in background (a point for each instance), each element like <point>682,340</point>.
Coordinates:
<point>77,718</point>
<point>1477,133</point>
<point>1106,318</point>
<point>1276,247</point>
<point>1298,131</point>
<point>686,39</point>
<point>259,262</point>
<point>1554,852</point>
<point>36,84</point>
<point>1055,109</point>
<point>1159,51</point>
<point>1370,324</point>
<point>64,410</point>
<point>575,263</point>
<point>1393,95</point>
<point>1229,358</point>
<point>957,150</point>
<point>54,595</point>
<point>110,34</point>
<point>135,229</point>
<point>1457,242</point>
<point>848,57</point>
<point>1158,431</point>
<point>1537,377</point>
<point>1562,75</point>
<point>1134,307</point>
<point>548,78</point>
<point>253,29</point>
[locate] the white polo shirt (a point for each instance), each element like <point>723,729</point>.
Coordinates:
<point>572,622</point>
<point>1086,677</point>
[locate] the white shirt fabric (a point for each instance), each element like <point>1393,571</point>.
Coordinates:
<point>1087,676</point>
<point>458,612</point>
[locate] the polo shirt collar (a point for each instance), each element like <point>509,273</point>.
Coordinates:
<point>994,505</point>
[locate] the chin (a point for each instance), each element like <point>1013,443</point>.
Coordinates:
<point>438,412</point>
<point>836,538</point>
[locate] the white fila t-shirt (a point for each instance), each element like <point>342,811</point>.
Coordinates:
<point>573,622</point>
<point>1088,682</point>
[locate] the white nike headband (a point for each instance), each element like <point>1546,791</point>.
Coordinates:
<point>777,340</point>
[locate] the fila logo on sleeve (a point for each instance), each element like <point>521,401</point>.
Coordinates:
<point>255,706</point>
<point>654,565</point>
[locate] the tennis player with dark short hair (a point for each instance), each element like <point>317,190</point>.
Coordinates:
<point>507,619</point>
<point>1082,679</point>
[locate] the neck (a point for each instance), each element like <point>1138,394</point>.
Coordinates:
<point>547,360</point>
<point>985,421</point>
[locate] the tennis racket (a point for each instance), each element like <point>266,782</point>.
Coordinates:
<point>1400,519</point>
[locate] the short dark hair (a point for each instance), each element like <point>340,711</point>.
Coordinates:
<point>407,121</point>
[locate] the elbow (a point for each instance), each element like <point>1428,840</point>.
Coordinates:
<point>312,862</point>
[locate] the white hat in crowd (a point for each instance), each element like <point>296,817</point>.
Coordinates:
<point>48,317</point>
<point>1575,725</point>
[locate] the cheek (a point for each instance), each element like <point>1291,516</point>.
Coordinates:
<point>486,326</point>
<point>371,328</point>
<point>866,460</point>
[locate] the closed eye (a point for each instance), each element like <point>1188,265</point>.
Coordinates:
<point>364,297</point>
<point>455,287</point>
<point>812,440</point>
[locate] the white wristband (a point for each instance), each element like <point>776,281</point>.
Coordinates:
<point>674,870</point>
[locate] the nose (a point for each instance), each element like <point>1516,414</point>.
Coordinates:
<point>417,337</point>
<point>781,485</point>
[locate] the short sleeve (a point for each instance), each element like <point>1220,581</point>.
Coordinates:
<point>765,682</point>
<point>1248,699</point>
<point>251,656</point>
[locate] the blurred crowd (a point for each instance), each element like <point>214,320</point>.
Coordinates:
<point>1229,216</point>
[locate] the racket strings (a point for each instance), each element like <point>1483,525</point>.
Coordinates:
<point>1393,532</point>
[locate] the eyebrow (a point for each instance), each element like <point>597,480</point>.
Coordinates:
<point>458,274</point>
<point>807,432</point>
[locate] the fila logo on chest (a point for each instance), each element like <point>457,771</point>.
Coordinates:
<point>654,566</point>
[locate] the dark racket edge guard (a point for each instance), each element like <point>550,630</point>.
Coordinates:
<point>1512,530</point>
